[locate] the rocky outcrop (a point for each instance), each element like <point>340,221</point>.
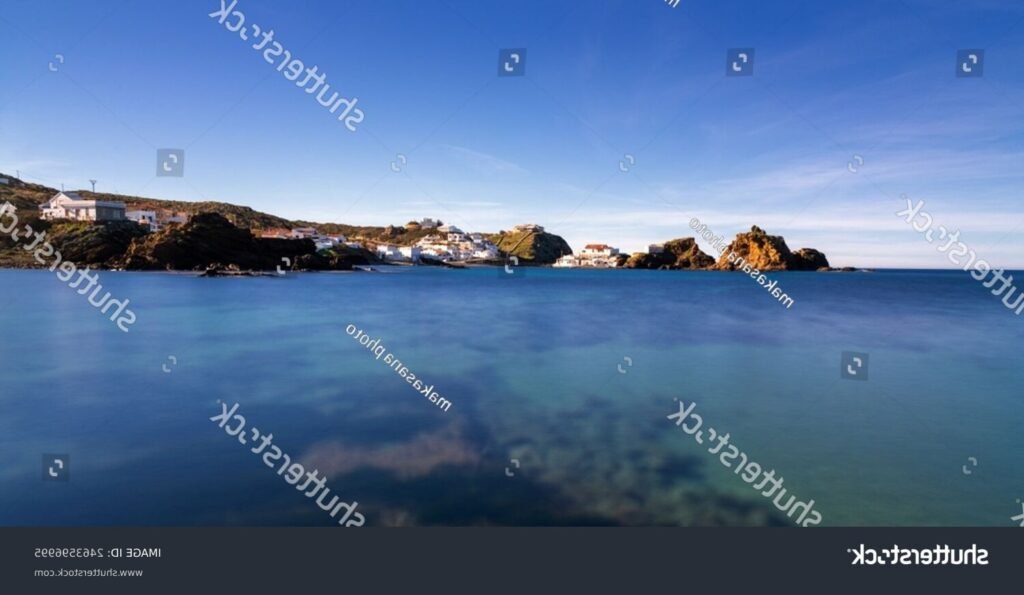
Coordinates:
<point>209,241</point>
<point>683,253</point>
<point>809,259</point>
<point>768,253</point>
<point>531,247</point>
<point>96,245</point>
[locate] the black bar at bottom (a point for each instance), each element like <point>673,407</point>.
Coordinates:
<point>508,560</point>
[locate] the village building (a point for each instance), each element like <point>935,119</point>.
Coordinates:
<point>279,233</point>
<point>388,252</point>
<point>529,227</point>
<point>147,219</point>
<point>597,256</point>
<point>71,205</point>
<point>410,253</point>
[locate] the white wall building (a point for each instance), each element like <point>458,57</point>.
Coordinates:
<point>146,218</point>
<point>410,253</point>
<point>601,256</point>
<point>71,205</point>
<point>598,251</point>
<point>566,262</point>
<point>389,252</point>
<point>488,252</point>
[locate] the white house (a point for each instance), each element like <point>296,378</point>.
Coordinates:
<point>389,252</point>
<point>410,253</point>
<point>598,250</point>
<point>598,256</point>
<point>144,218</point>
<point>305,232</point>
<point>71,205</point>
<point>435,253</point>
<point>566,262</point>
<point>487,252</point>
<point>529,227</point>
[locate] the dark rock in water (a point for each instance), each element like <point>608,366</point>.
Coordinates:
<point>809,259</point>
<point>209,240</point>
<point>677,254</point>
<point>339,258</point>
<point>769,253</point>
<point>218,270</point>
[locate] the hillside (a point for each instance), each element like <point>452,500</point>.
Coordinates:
<point>127,245</point>
<point>27,197</point>
<point>530,247</point>
<point>209,240</point>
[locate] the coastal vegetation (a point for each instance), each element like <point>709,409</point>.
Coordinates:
<point>531,247</point>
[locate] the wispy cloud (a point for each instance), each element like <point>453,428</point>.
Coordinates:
<point>483,162</point>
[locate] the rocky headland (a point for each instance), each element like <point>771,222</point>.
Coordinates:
<point>760,250</point>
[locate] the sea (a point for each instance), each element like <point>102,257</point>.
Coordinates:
<point>560,382</point>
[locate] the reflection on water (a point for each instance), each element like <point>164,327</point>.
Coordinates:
<point>532,368</point>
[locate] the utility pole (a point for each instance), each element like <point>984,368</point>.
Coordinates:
<point>93,182</point>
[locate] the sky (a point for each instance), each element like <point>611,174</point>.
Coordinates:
<point>623,128</point>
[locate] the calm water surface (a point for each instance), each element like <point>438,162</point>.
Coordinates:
<point>531,366</point>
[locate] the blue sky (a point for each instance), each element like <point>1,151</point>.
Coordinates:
<point>604,79</point>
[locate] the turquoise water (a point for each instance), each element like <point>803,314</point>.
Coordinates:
<point>531,366</point>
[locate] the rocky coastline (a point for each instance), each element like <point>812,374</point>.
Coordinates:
<point>218,240</point>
